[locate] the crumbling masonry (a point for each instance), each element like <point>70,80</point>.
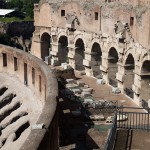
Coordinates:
<point>108,37</point>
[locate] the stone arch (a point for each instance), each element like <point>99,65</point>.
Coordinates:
<point>145,80</point>
<point>79,36</point>
<point>60,34</point>
<point>45,45</point>
<point>62,49</point>
<point>79,54</point>
<point>96,59</point>
<point>112,66</point>
<point>129,75</point>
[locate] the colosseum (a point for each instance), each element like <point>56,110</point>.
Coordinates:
<point>108,37</point>
<point>107,41</point>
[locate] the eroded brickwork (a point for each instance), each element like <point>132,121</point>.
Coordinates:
<point>108,37</point>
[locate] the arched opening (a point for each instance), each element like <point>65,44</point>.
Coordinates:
<point>96,59</point>
<point>129,76</point>
<point>79,55</point>
<point>63,50</point>
<point>112,66</point>
<point>145,82</point>
<point>45,45</point>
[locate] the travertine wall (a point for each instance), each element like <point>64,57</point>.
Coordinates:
<point>43,84</point>
<point>124,26</point>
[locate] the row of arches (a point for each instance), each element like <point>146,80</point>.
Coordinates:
<point>96,61</point>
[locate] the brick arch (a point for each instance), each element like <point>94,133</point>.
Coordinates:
<point>129,63</point>
<point>79,54</point>
<point>62,33</point>
<point>113,45</point>
<point>95,41</point>
<point>145,78</point>
<point>62,49</point>
<point>113,58</point>
<point>79,36</point>
<point>125,57</point>
<point>42,31</point>
<point>145,61</point>
<point>45,45</point>
<point>96,58</point>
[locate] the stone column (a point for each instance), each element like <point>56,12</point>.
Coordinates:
<point>104,67</point>
<point>87,62</point>
<point>54,53</point>
<point>36,45</point>
<point>136,88</point>
<point>120,76</point>
<point>71,54</point>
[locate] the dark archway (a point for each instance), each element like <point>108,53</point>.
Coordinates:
<point>79,55</point>
<point>112,66</point>
<point>129,76</point>
<point>145,82</point>
<point>96,59</point>
<point>63,50</point>
<point>45,45</point>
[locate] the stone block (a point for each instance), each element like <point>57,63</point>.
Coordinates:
<point>88,100</point>
<point>63,64</point>
<point>54,62</point>
<point>54,53</point>
<point>70,81</point>
<point>86,63</point>
<point>88,90</point>
<point>71,85</point>
<point>48,60</point>
<point>76,91</point>
<point>80,83</point>
<point>86,94</point>
<point>116,90</point>
<point>86,86</point>
<point>100,82</point>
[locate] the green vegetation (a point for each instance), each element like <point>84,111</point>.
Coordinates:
<point>12,19</point>
<point>25,6</point>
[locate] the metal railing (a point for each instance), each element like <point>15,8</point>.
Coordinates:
<point>112,135</point>
<point>128,119</point>
<point>134,118</point>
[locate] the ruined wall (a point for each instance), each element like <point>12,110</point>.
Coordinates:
<point>121,25</point>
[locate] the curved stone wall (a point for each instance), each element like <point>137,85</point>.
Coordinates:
<point>33,78</point>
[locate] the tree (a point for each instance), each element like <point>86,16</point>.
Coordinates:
<point>25,6</point>
<point>15,4</point>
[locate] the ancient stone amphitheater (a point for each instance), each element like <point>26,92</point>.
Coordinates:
<point>101,38</point>
<point>28,91</point>
<point>108,37</point>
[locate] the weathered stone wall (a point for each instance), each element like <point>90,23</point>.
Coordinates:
<point>122,26</point>
<point>44,86</point>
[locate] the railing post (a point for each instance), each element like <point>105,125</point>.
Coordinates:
<point>148,119</point>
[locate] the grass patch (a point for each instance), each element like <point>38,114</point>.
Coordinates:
<point>14,19</point>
